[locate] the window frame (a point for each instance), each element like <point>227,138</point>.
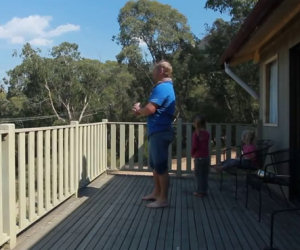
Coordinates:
<point>265,64</point>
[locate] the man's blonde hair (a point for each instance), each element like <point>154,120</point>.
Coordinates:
<point>166,66</point>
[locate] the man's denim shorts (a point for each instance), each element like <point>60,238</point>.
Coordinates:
<point>158,150</point>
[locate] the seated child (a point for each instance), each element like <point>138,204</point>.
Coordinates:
<point>248,159</point>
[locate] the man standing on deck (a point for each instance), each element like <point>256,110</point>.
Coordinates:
<point>160,112</point>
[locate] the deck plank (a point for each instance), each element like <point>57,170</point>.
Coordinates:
<point>99,222</point>
<point>53,236</point>
<point>114,217</point>
<point>113,232</point>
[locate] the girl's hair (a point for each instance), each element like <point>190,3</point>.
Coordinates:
<point>248,136</point>
<point>199,122</point>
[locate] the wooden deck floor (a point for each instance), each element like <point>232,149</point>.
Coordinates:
<point>113,216</point>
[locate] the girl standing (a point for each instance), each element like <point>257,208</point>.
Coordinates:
<point>200,153</point>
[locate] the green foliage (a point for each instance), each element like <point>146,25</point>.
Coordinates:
<point>76,88</point>
<point>162,28</point>
<point>238,9</point>
<point>66,85</point>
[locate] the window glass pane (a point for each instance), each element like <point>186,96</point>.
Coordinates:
<point>271,95</point>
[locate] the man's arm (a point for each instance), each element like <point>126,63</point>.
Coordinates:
<point>149,109</point>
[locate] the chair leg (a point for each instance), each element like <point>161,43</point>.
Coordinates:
<point>260,205</point>
<point>236,186</point>
<point>285,198</point>
<point>221,180</point>
<point>247,191</point>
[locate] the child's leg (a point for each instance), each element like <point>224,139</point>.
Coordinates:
<point>204,166</point>
<point>201,174</point>
<point>197,173</point>
<point>230,163</point>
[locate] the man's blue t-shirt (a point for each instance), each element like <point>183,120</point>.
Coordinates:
<point>164,97</point>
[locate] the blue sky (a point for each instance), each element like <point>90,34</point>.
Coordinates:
<point>91,24</point>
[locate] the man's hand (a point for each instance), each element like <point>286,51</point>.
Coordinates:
<point>149,109</point>
<point>136,108</point>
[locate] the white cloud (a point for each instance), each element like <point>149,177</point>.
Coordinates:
<point>34,29</point>
<point>40,42</point>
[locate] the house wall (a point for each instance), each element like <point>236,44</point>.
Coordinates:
<point>279,46</point>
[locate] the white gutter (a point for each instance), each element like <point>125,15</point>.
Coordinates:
<point>244,85</point>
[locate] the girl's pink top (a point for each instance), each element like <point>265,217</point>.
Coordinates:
<point>247,149</point>
<point>200,144</point>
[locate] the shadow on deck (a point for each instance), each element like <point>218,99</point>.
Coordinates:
<point>110,215</point>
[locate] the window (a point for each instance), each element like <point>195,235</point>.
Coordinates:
<point>271,93</point>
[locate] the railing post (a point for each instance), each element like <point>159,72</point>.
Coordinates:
<point>8,184</point>
<point>105,143</point>
<point>188,147</point>
<point>209,129</point>
<point>179,145</point>
<point>76,156</point>
<point>218,143</point>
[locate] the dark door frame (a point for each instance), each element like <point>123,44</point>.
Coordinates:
<point>295,118</point>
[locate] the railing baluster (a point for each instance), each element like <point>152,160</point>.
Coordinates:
<point>72,162</point>
<point>102,148</point>
<point>113,146</point>
<point>22,180</point>
<point>170,156</point>
<point>228,141</point>
<point>1,192</point>
<point>237,138</point>
<point>209,129</point>
<point>93,174</point>
<point>80,156</point>
<point>47,170</point>
<point>54,167</point>
<point>122,146</point>
<point>40,173</point>
<point>66,162</point>
<point>97,150</point>
<point>31,175</point>
<point>218,143</point>
<point>141,146</point>
<point>188,146</point>
<point>88,152</point>
<point>84,157</point>
<point>9,183</point>
<point>131,147</point>
<point>105,143</point>
<point>179,146</point>
<point>60,164</point>
<point>77,155</point>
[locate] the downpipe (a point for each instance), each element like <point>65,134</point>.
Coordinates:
<point>244,85</point>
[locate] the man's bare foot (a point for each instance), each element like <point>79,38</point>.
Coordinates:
<point>158,204</point>
<point>149,197</point>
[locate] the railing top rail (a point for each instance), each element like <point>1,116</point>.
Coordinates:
<point>91,124</point>
<point>222,124</point>
<point>184,123</point>
<point>127,123</point>
<point>27,130</point>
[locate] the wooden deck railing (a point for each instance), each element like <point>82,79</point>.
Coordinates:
<point>128,145</point>
<point>42,167</point>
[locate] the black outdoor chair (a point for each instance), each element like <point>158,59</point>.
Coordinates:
<point>287,210</point>
<point>263,147</point>
<point>276,172</point>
